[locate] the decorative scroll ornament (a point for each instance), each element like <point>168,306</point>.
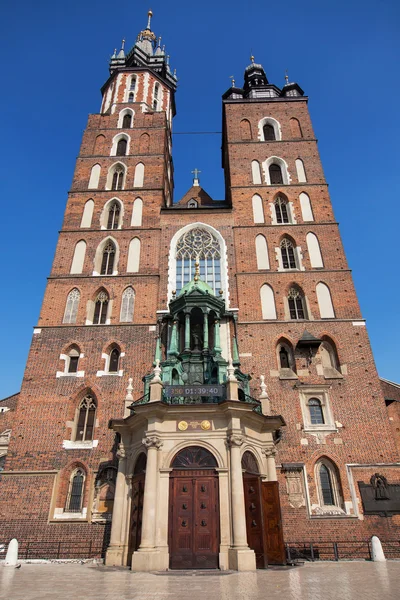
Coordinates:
<point>152,441</point>
<point>235,440</point>
<point>270,452</point>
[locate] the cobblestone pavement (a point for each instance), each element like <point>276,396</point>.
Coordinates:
<point>318,581</point>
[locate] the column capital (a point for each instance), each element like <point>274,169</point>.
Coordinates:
<point>152,441</point>
<point>235,439</point>
<point>121,451</point>
<point>270,452</point>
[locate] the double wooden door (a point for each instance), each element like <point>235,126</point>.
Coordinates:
<point>194,520</point>
<point>263,521</point>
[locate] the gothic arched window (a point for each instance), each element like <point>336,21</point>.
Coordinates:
<point>114,361</point>
<point>121,147</point>
<point>269,132</point>
<point>201,245</point>
<point>155,96</point>
<point>113,215</point>
<point>75,492</point>
<point>316,412</point>
<point>131,97</point>
<point>73,360</point>
<point>127,305</point>
<point>296,304</point>
<point>71,308</point>
<point>100,309</point>
<point>275,174</point>
<point>107,263</point>
<point>86,419</point>
<point>281,210</point>
<point>288,254</point>
<point>117,181</point>
<point>127,121</point>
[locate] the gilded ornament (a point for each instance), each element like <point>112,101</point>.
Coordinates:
<point>182,425</point>
<point>205,425</point>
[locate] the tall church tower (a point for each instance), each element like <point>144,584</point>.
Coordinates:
<point>200,387</point>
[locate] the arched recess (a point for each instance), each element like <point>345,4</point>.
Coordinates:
<point>105,221</point>
<point>122,114</point>
<point>301,172</point>
<point>276,160</point>
<point>79,258</point>
<point>127,305</point>
<point>328,484</point>
<point>305,204</point>
<point>267,302</point>
<point>258,210</point>
<point>172,271</point>
<point>256,172</point>
<point>325,301</point>
<point>295,128</point>
<point>71,306</point>
<point>250,463</point>
<point>137,211</point>
<point>99,145</point>
<point>94,177</point>
<point>245,129</point>
<point>329,357</point>
<point>115,145</point>
<point>144,143</point>
<point>139,175</point>
<point>133,256</point>
<point>285,358</point>
<point>87,214</point>
<point>262,252</point>
<point>98,259</point>
<point>116,177</point>
<point>269,121</point>
<point>314,251</point>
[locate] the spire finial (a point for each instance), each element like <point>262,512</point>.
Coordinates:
<point>196,177</point>
<point>149,14</point>
<point>252,58</point>
<point>159,41</point>
<point>286,76</point>
<point>197,270</point>
<point>123,44</point>
<point>232,78</point>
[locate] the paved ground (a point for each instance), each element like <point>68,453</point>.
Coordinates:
<point>318,581</point>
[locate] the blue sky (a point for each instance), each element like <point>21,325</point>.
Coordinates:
<point>344,54</point>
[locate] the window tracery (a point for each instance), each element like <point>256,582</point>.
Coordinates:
<point>71,308</point>
<point>86,419</point>
<point>296,304</point>
<point>198,244</point>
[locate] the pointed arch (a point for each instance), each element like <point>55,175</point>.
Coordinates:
<point>301,172</point>
<point>288,256</point>
<point>274,162</point>
<point>107,257</point>
<point>139,175</point>
<point>125,118</point>
<point>131,88</point>
<point>285,355</point>
<point>74,498</point>
<point>112,214</point>
<point>329,356</point>
<point>245,130</point>
<point>267,302</point>
<point>217,248</point>
<point>78,258</point>
<point>306,210</point>
<point>85,418</point>
<point>262,252</point>
<point>296,303</point>
<point>137,212</point>
<point>314,251</point>
<point>273,130</point>
<point>328,483</point>
<point>133,256</point>
<point>99,145</point>
<point>120,145</point>
<point>325,301</point>
<point>87,215</point>
<point>127,305</point>
<point>94,177</point>
<point>295,128</point>
<point>256,172</point>
<point>71,306</point>
<point>116,176</point>
<point>100,308</point>
<point>144,143</point>
<point>282,210</point>
<point>258,210</point>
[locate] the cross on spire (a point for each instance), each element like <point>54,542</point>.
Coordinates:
<point>196,176</point>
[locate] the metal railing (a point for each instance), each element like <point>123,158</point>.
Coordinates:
<point>250,400</point>
<point>66,550</point>
<point>339,550</point>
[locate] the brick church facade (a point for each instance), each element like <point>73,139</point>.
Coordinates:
<point>189,355</point>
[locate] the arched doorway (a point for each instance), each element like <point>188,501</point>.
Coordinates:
<point>263,515</point>
<point>194,510</point>
<point>138,478</point>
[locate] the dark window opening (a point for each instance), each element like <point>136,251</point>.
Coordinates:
<point>114,361</point>
<point>275,174</point>
<point>269,132</point>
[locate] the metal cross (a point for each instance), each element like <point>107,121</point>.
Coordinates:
<point>195,173</point>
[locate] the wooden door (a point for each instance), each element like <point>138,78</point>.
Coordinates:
<point>135,533</point>
<point>273,534</point>
<point>254,523</point>
<point>193,520</point>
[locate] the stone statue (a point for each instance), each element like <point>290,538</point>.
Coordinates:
<point>379,483</point>
<point>197,337</point>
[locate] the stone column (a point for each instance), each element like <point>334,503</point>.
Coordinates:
<point>241,558</point>
<point>205,331</point>
<point>187,332</point>
<point>115,551</point>
<point>148,557</point>
<point>217,342</point>
<point>271,467</point>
